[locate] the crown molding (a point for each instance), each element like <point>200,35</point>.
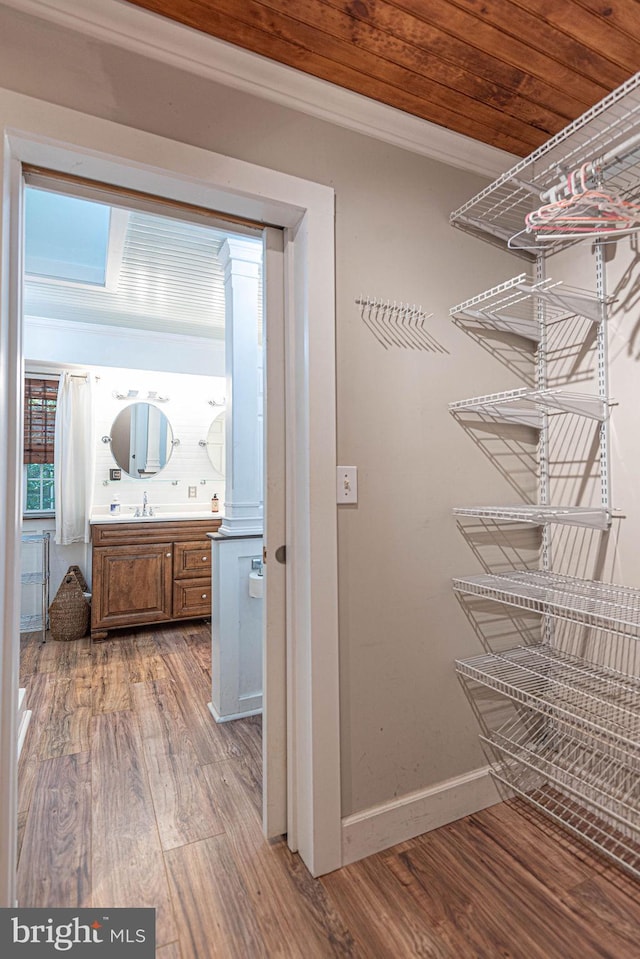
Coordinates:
<point>150,35</point>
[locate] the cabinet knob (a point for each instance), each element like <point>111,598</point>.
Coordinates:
<point>204,559</point>
<point>167,555</point>
<point>204,595</point>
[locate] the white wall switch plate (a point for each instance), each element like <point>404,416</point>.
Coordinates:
<point>193,492</point>
<point>347,484</point>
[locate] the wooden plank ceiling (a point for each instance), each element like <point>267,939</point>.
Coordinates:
<point>509,73</point>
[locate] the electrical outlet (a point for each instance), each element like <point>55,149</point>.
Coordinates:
<point>193,492</point>
<point>347,484</point>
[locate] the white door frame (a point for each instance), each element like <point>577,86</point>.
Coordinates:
<point>65,141</point>
<point>275,818</point>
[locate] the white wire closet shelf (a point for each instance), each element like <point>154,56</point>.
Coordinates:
<point>599,780</point>
<point>572,746</point>
<point>513,306</point>
<point>585,695</point>
<point>563,808</point>
<point>587,516</point>
<point>598,605</point>
<point>605,137</point>
<point>527,406</point>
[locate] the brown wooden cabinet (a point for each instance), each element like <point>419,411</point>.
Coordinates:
<point>151,572</point>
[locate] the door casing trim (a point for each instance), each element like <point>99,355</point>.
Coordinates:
<point>66,141</point>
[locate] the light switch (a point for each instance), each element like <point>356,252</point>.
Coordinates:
<point>347,484</point>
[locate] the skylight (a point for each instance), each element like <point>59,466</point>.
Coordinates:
<point>66,238</point>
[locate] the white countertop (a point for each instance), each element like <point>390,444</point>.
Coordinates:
<point>160,514</point>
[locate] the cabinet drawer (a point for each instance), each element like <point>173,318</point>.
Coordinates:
<point>191,597</point>
<point>192,559</point>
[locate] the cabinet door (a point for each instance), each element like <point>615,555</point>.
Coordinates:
<point>191,560</point>
<point>131,585</point>
<point>191,598</point>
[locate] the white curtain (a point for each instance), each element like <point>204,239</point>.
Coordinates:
<point>74,466</point>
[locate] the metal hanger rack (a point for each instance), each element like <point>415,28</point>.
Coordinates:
<point>571,742</point>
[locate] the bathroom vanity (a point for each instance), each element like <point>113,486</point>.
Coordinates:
<point>150,570</point>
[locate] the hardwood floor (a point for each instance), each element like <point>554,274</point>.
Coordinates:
<point>130,795</point>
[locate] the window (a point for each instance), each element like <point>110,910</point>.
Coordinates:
<point>40,398</point>
<point>38,488</point>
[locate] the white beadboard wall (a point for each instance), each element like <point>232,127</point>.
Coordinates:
<point>190,416</point>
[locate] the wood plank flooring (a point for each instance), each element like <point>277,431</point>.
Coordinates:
<point>130,795</point>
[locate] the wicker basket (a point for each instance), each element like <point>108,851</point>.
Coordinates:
<point>78,575</point>
<point>69,611</point>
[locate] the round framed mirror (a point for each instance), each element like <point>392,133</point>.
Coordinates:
<point>215,443</point>
<point>141,440</point>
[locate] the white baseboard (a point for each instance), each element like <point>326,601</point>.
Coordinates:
<point>227,719</point>
<point>23,726</point>
<point>389,823</point>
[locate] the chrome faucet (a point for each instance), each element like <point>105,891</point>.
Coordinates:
<point>146,509</point>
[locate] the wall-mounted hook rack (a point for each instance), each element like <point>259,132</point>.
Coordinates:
<point>398,324</point>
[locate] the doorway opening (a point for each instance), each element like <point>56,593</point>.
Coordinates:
<point>147,330</point>
<point>305,346</point>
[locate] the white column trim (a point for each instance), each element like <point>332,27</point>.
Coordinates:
<point>243,506</point>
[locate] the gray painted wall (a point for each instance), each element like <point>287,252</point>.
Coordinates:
<point>405,723</point>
